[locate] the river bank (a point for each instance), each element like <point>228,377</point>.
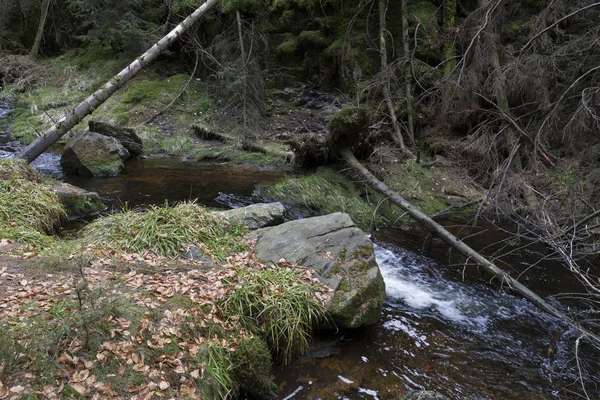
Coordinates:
<point>434,187</point>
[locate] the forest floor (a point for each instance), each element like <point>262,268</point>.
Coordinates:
<point>111,324</point>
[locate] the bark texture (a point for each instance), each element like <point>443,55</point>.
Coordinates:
<point>87,106</point>
<point>397,134</point>
<point>40,32</point>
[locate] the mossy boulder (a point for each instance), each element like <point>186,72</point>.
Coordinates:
<point>252,365</point>
<point>126,136</point>
<point>76,201</point>
<point>342,257</point>
<point>349,128</point>
<point>93,154</point>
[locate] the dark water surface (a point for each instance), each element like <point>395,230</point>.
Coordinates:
<point>445,330</point>
<point>156,180</point>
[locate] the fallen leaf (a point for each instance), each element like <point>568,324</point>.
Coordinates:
<point>17,389</point>
<point>3,391</point>
<point>163,385</point>
<point>78,388</point>
<point>80,376</point>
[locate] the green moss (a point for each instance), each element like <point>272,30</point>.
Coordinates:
<point>288,46</point>
<point>26,125</point>
<point>94,54</point>
<point>155,90</point>
<point>312,39</point>
<point>122,118</point>
<point>364,251</point>
<point>327,191</point>
<point>349,121</point>
<point>179,301</point>
<point>252,364</point>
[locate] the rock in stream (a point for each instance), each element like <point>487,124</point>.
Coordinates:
<point>340,253</point>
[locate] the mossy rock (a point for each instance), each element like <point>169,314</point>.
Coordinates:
<point>78,202</point>
<point>252,369</point>
<point>349,128</point>
<point>312,39</point>
<point>288,46</point>
<point>320,244</point>
<point>92,154</point>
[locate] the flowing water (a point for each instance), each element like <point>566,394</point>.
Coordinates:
<point>442,327</point>
<point>446,330</point>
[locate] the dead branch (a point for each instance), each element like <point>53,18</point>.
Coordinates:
<point>461,247</point>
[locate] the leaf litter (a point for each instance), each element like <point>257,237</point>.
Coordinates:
<point>160,344</point>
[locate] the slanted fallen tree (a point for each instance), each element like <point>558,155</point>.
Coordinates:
<point>88,105</point>
<point>487,266</point>
<point>207,133</point>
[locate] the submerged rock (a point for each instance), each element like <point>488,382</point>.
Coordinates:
<point>78,202</point>
<point>92,154</point>
<point>126,136</point>
<point>340,253</point>
<point>256,215</point>
<point>423,395</point>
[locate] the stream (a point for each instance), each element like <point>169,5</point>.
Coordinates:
<point>442,328</point>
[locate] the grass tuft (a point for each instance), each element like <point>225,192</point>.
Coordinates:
<point>27,209</point>
<point>277,304</point>
<point>166,231</point>
<point>216,381</point>
<point>326,192</point>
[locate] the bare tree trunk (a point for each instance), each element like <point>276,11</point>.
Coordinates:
<point>87,106</point>
<point>40,32</point>
<point>449,48</point>
<point>397,136</point>
<point>244,75</point>
<point>207,133</point>
<point>461,247</point>
<point>407,72</point>
<point>169,16</point>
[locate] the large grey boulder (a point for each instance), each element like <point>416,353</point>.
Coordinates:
<point>256,215</point>
<point>126,136</point>
<point>92,154</point>
<point>342,256</point>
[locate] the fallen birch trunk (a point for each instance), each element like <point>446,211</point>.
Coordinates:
<point>207,133</point>
<point>487,266</point>
<point>87,106</point>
